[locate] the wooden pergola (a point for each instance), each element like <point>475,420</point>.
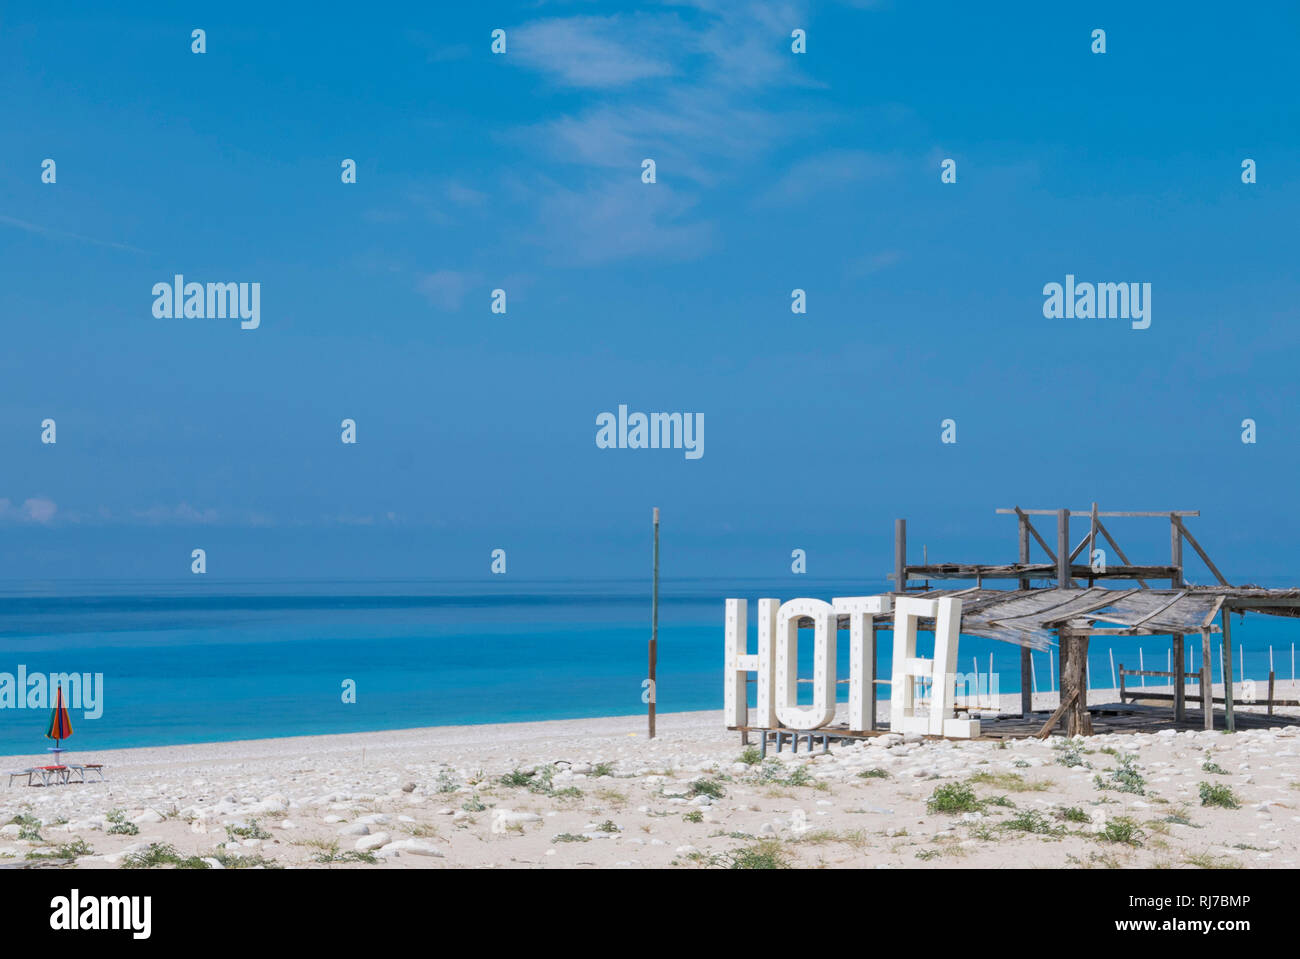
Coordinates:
<point>1070,607</point>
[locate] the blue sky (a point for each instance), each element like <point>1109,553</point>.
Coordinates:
<point>522,171</point>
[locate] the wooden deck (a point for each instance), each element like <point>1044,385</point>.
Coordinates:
<point>1106,718</point>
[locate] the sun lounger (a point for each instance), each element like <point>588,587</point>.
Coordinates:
<point>15,773</point>
<point>97,768</point>
<point>51,774</point>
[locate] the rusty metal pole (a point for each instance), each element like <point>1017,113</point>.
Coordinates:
<point>654,625</point>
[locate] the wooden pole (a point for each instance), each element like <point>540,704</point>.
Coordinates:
<point>1180,680</point>
<point>1175,551</point>
<point>900,555</point>
<point>871,672</point>
<point>1092,543</point>
<point>1026,656</point>
<point>654,626</point>
<point>1270,692</point>
<point>1063,580</point>
<point>1229,722</point>
<point>1207,680</point>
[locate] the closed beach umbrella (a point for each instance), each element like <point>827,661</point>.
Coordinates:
<point>60,722</point>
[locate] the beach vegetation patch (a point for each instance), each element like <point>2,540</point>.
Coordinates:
<point>1217,794</point>
<point>330,853</point>
<point>601,769</point>
<point>517,778</point>
<point>1071,751</point>
<point>1203,860</point>
<point>708,787</point>
<point>693,816</point>
<point>750,757</point>
<point>876,773</point>
<point>1033,821</point>
<point>234,860</point>
<point>1210,766</point>
<point>253,830</point>
<point>570,837</point>
<point>540,781</point>
<point>159,854</point>
<point>473,804</point>
<point>1123,830</point>
<point>953,798</point>
<point>119,825</point>
<point>29,827</point>
<point>769,854</point>
<point>1012,782</point>
<point>71,850</point>
<point>1125,779</point>
<point>1073,814</point>
<point>446,782</point>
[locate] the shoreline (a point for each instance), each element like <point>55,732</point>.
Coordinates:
<point>523,731</point>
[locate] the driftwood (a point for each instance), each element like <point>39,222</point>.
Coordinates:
<point>1056,716</point>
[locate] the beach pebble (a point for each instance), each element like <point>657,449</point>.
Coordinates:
<point>414,847</point>
<point>355,829</point>
<point>367,843</point>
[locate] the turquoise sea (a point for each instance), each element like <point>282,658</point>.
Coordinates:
<point>229,660</point>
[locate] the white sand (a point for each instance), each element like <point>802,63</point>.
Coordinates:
<point>421,798</point>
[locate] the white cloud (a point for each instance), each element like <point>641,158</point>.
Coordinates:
<point>183,514</point>
<point>445,289</point>
<point>615,219</point>
<point>597,52</point>
<point>35,509</point>
<point>831,170</point>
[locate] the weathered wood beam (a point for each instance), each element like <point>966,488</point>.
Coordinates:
<point>1041,542</point>
<point>1201,553</point>
<point>1055,718</point>
<point>1052,512</point>
<point>1228,722</point>
<point>1036,571</point>
<point>1115,546</point>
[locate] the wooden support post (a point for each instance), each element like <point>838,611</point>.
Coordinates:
<point>1074,681</point>
<point>1092,543</point>
<point>900,555</point>
<point>1207,680</point>
<point>1229,722</point>
<point>871,677</point>
<point>1175,551</point>
<point>1270,692</point>
<point>654,627</point>
<point>1063,580</point>
<point>1026,661</point>
<point>1122,698</point>
<point>1180,680</point>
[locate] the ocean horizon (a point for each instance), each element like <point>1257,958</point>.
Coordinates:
<point>230,660</point>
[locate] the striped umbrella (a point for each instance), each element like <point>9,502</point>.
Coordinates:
<point>60,722</point>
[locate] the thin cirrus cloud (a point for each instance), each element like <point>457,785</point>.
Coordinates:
<point>445,289</point>
<point>595,52</point>
<point>692,97</point>
<point>35,509</point>
<point>832,170</point>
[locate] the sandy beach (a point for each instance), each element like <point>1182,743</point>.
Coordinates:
<point>589,793</point>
